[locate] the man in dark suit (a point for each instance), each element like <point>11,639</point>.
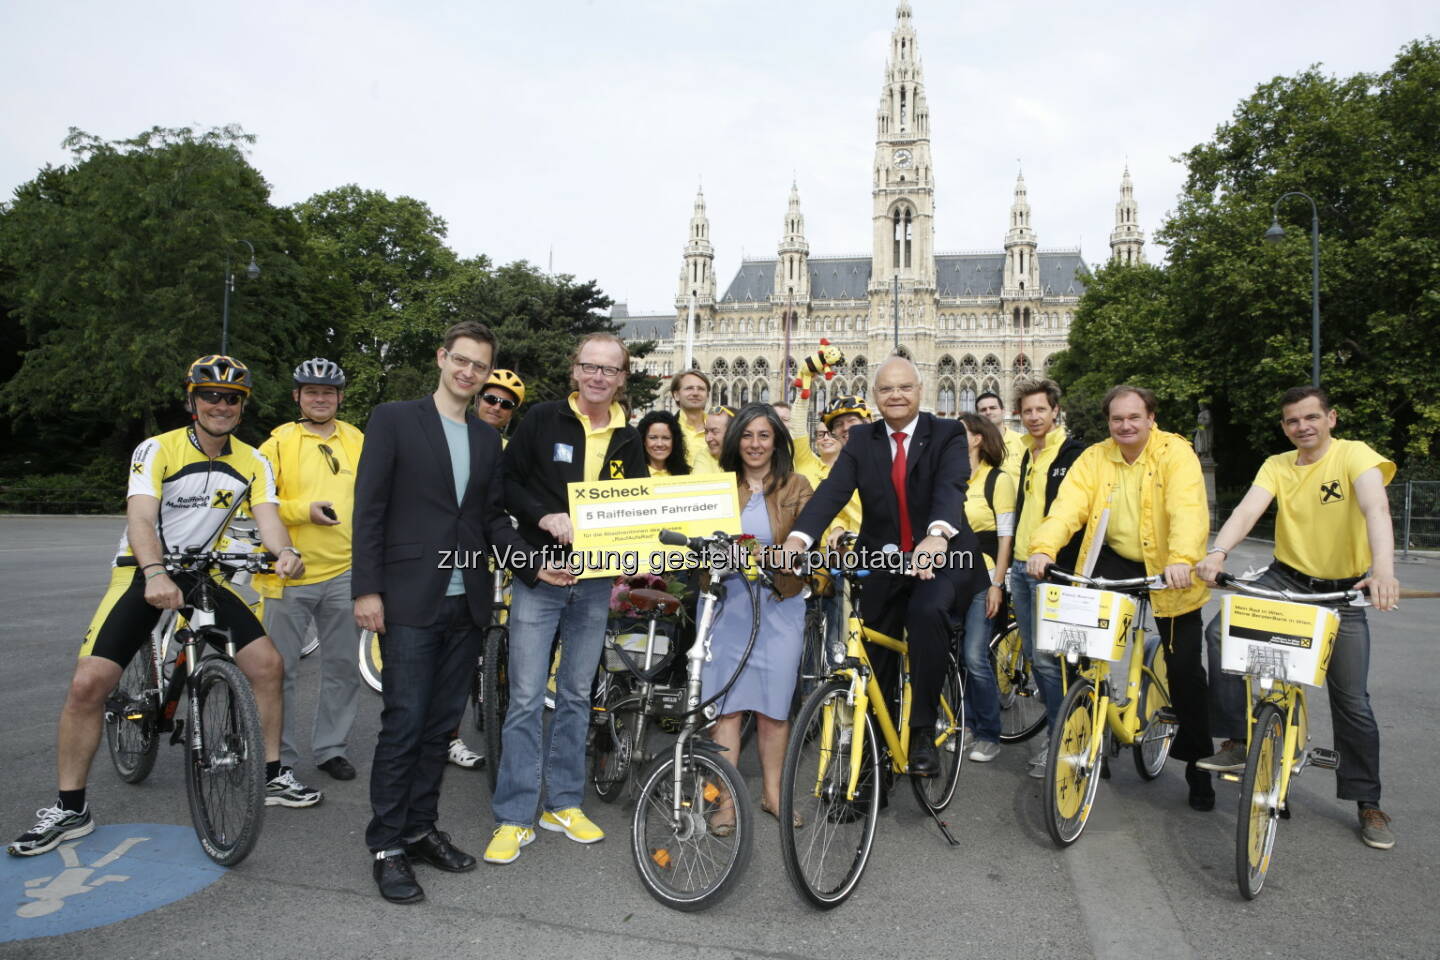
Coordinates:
<point>911,470</point>
<point>427,511</point>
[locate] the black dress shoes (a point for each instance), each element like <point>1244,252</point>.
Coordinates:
<point>436,849</point>
<point>339,768</point>
<point>924,761</point>
<point>396,879</point>
<point>1202,794</point>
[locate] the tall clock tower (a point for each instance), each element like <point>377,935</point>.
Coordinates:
<point>904,189</point>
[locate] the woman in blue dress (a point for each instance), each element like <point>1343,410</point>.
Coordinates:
<point>757,448</point>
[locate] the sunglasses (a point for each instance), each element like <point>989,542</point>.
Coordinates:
<point>330,458</point>
<point>220,396</point>
<point>500,402</point>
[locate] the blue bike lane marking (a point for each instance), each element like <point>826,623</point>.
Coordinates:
<point>119,871</point>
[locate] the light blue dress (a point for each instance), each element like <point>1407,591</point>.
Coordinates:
<point>767,683</point>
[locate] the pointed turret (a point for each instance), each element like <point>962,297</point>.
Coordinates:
<point>904,188</point>
<point>697,275</point>
<point>1127,240</point>
<point>792,273</point>
<point>1022,269</point>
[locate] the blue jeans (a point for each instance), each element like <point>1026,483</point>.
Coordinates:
<point>1046,666</point>
<point>1357,738</point>
<point>425,674</point>
<point>982,693</point>
<point>579,613</point>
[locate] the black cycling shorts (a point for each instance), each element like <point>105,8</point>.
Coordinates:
<point>124,620</point>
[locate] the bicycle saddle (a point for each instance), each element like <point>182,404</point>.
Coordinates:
<point>658,600</point>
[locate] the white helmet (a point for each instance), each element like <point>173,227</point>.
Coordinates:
<point>321,372</point>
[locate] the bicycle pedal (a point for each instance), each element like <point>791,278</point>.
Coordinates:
<point>1326,759</point>
<point>1166,715</point>
<point>1231,777</point>
<point>178,736</point>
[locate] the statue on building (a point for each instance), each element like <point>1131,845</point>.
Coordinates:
<point>1204,437</point>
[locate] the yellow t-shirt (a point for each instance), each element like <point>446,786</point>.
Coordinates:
<point>977,510</point>
<point>697,454</point>
<point>597,439</point>
<point>1319,529</point>
<point>1035,479</point>
<point>1122,531</point>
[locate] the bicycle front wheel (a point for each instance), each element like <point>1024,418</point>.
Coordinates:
<point>1152,746</point>
<point>613,753</point>
<point>132,717</point>
<point>1022,712</point>
<point>226,782</point>
<point>690,854</point>
<point>935,793</point>
<point>1260,801</point>
<point>1072,773</point>
<point>826,855</point>
<point>495,697</point>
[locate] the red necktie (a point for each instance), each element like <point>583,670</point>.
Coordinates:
<point>897,477</point>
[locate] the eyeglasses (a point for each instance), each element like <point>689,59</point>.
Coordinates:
<point>500,402</point>
<point>890,390</point>
<point>479,366</point>
<point>330,458</point>
<point>821,434</point>
<point>590,369</point>
<point>228,397</point>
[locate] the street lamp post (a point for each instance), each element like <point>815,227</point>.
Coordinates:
<point>1275,234</point>
<point>253,272</point>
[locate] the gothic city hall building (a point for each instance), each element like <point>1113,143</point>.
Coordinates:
<point>971,321</point>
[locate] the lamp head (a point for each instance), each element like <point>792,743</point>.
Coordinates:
<point>1276,233</point>
<point>253,271</point>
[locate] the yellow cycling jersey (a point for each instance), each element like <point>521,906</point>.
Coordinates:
<point>195,492</point>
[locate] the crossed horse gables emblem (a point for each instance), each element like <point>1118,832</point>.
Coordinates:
<point>1330,491</point>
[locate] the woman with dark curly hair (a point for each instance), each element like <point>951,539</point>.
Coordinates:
<point>664,444</point>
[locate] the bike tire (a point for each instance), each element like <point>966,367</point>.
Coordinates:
<point>613,754</point>
<point>1152,747</point>
<point>1071,779</point>
<point>935,793</point>
<point>683,864</point>
<point>1022,711</point>
<point>814,784</point>
<point>226,790</point>
<point>495,699</point>
<point>370,660</point>
<point>813,668</point>
<point>1258,814</point>
<point>132,718</point>
<point>477,693</point>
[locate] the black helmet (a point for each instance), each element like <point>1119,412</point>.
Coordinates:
<point>321,372</point>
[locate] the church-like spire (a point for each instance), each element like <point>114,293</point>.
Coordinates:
<point>903,113</point>
<point>1022,268</point>
<point>792,272</point>
<point>697,275</point>
<point>1127,240</point>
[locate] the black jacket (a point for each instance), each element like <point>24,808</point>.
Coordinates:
<point>548,452</point>
<point>1059,467</point>
<point>410,531</point>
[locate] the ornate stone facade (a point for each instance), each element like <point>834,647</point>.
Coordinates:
<point>971,321</point>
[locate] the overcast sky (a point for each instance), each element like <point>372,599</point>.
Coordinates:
<point>586,127</point>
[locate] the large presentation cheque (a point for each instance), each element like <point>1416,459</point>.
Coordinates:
<point>617,522</point>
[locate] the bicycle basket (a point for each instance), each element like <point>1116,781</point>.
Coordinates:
<point>625,644</point>
<point>1276,638</point>
<point>1075,622</point>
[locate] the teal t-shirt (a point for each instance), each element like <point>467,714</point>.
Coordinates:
<point>457,438</point>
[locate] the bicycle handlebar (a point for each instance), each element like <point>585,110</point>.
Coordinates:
<point>1055,571</point>
<point>193,560</point>
<point>1355,598</point>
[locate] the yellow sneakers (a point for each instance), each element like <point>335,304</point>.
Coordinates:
<point>573,824</point>
<point>506,842</point>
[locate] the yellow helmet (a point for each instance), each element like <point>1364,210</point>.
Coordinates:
<point>507,380</point>
<point>218,370</point>
<point>843,405</point>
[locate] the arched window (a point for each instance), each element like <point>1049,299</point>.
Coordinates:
<point>991,385</point>
<point>967,395</point>
<point>968,365</point>
<point>724,395</point>
<point>991,365</point>
<point>740,367</point>
<point>742,393</point>
<point>1025,319</point>
<point>762,391</point>
<point>1022,366</point>
<point>945,398</point>
<point>903,221</point>
<point>946,366</point>
<point>719,368</point>
<point>858,387</point>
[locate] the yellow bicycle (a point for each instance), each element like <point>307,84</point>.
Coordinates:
<point>1094,624</point>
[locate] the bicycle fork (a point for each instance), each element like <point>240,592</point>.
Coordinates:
<point>695,658</point>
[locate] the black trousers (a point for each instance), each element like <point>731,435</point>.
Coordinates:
<point>927,612</point>
<point>425,674</point>
<point>1182,642</point>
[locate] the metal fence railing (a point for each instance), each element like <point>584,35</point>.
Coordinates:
<point>1415,507</point>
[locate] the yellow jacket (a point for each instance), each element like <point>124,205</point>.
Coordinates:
<point>302,476</point>
<point>1174,513</point>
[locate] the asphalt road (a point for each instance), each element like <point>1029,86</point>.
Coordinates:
<point>1148,878</point>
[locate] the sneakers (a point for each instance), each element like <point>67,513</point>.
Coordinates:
<point>505,843</point>
<point>1230,759</point>
<point>286,791</point>
<point>463,756</point>
<point>55,826</point>
<point>1374,829</point>
<point>983,751</point>
<point>1038,763</point>
<point>573,824</point>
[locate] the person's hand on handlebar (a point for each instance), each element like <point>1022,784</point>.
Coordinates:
<point>791,550</point>
<point>1384,590</point>
<point>160,591</point>
<point>1212,566</point>
<point>1177,576</point>
<point>1037,565</point>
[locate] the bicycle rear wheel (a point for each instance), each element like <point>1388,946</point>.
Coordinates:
<point>495,697</point>
<point>226,781</point>
<point>132,717</point>
<point>813,668</point>
<point>826,856</point>
<point>1071,775</point>
<point>1259,812</point>
<point>1152,746</point>
<point>682,861</point>
<point>614,750</point>
<point>1022,712</point>
<point>370,664</point>
<point>935,793</point>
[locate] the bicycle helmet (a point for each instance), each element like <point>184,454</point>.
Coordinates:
<point>218,370</point>
<point>843,405</point>
<point>507,380</point>
<point>321,372</point>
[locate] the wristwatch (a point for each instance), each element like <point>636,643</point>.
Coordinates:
<point>294,551</point>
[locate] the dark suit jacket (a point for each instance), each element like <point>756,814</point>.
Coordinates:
<point>410,529</point>
<point>937,469</point>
